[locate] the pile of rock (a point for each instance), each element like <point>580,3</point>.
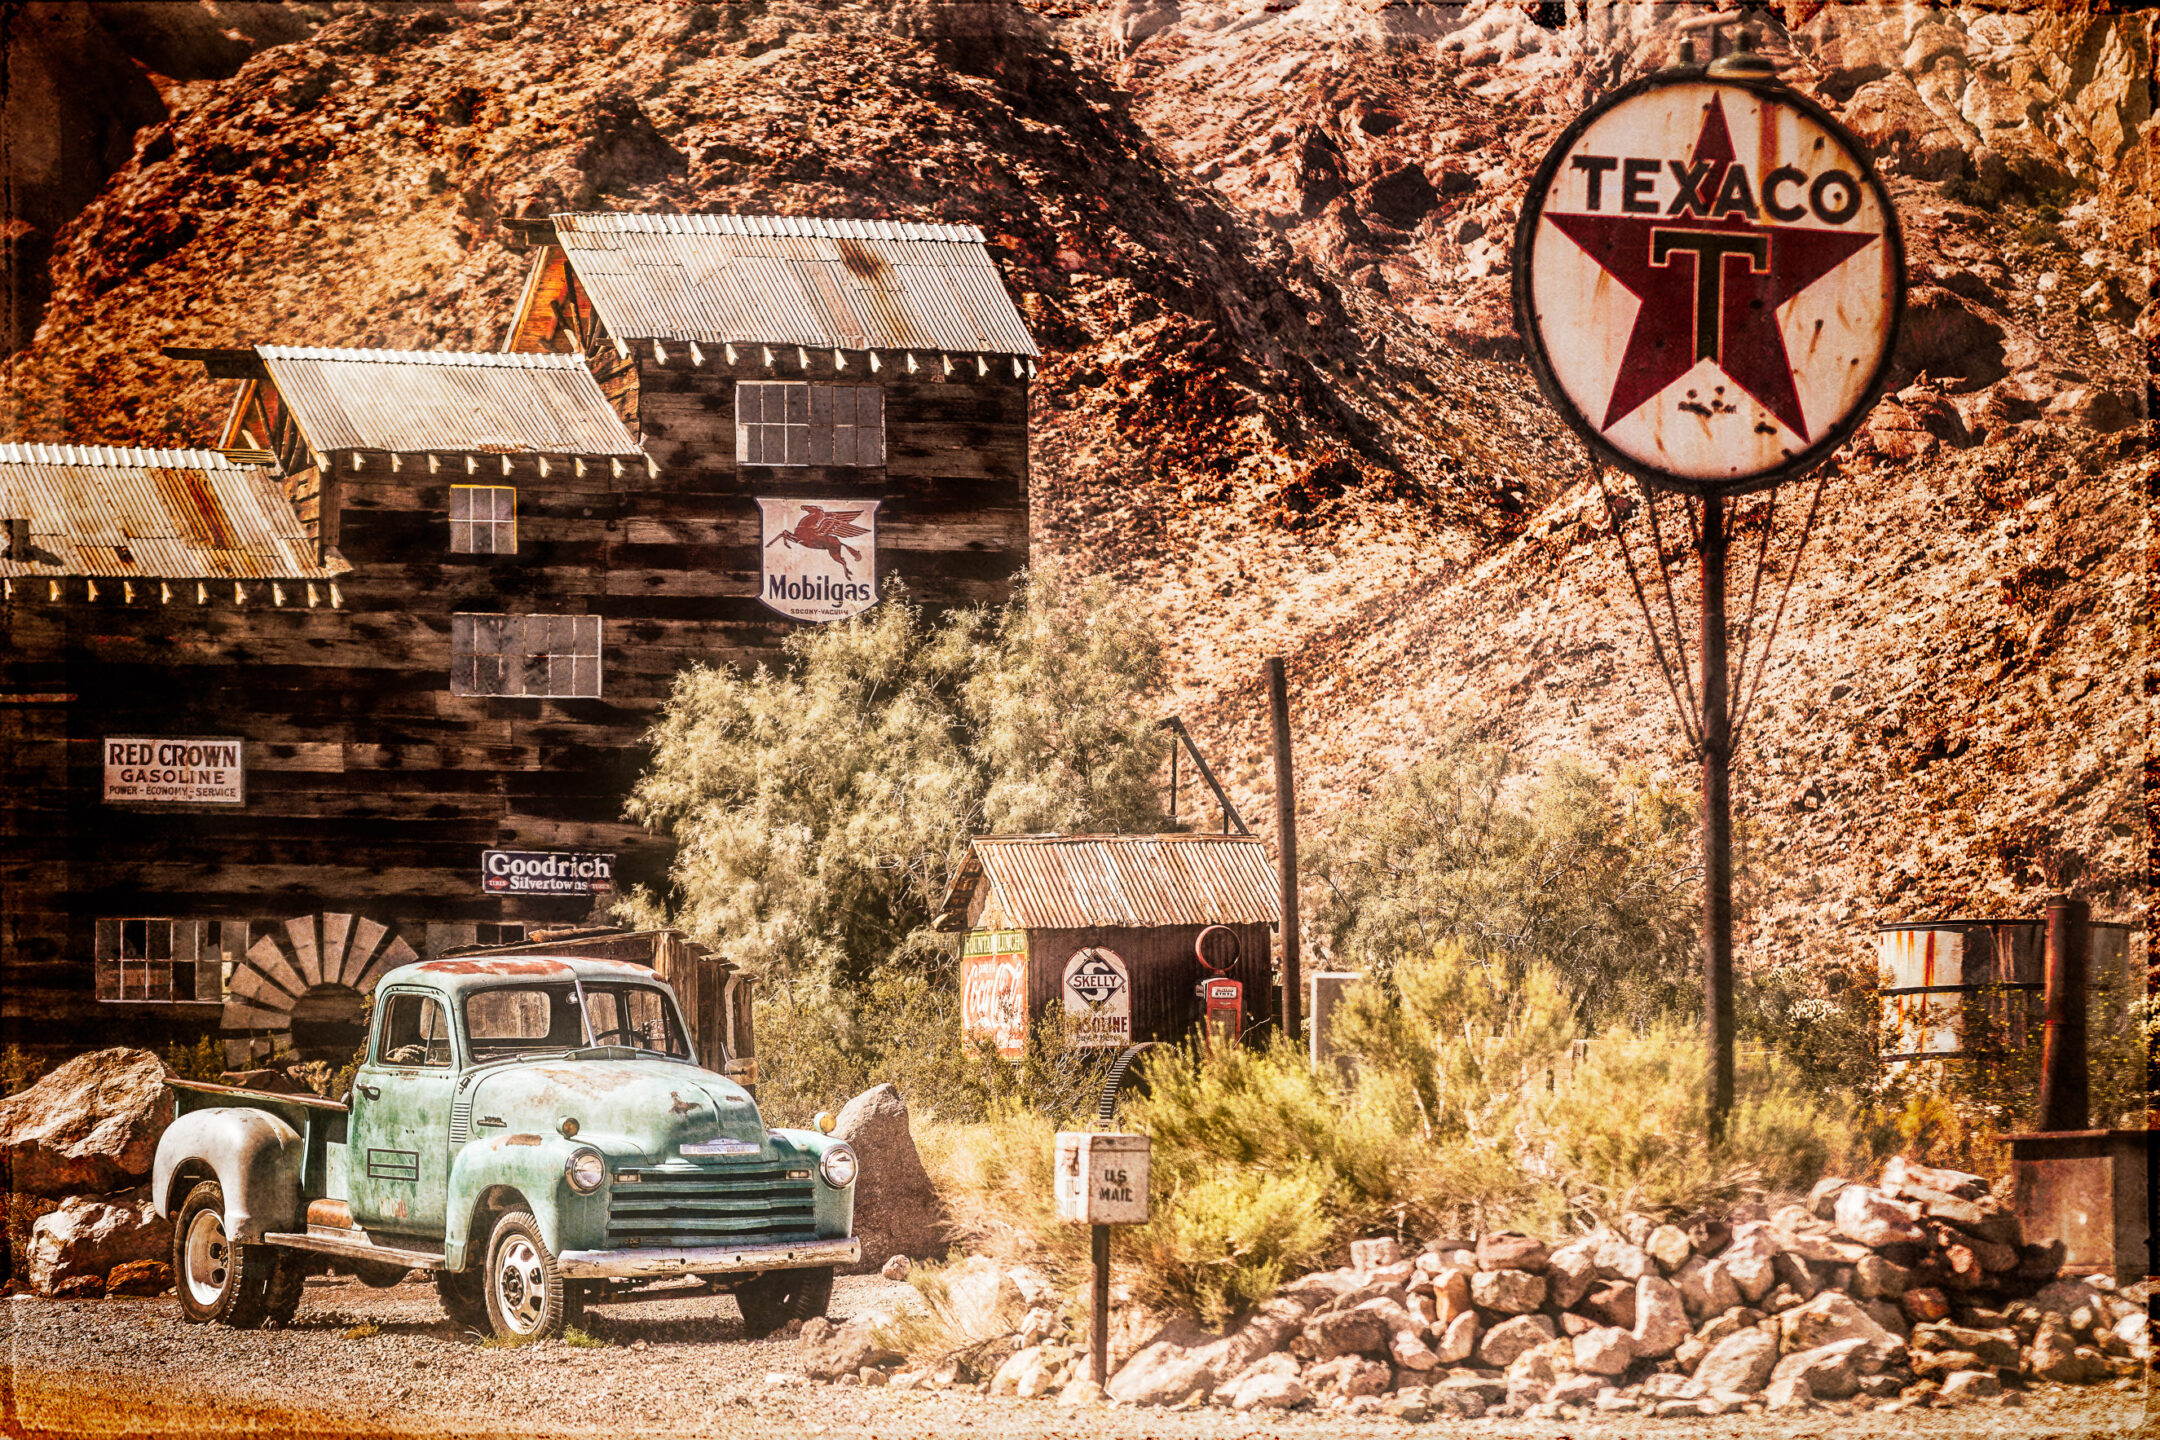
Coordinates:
<point>84,1137</point>
<point>1917,1290</point>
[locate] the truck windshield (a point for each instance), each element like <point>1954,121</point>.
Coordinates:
<point>516,1019</point>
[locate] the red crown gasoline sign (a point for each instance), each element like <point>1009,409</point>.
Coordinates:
<point>1708,279</point>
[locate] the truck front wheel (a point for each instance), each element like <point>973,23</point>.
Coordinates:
<point>772,1299</point>
<point>215,1277</point>
<point>525,1295</point>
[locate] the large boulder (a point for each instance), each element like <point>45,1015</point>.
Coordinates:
<point>90,1127</point>
<point>1739,1364</point>
<point>91,1237</point>
<point>1162,1374</point>
<point>897,1210</point>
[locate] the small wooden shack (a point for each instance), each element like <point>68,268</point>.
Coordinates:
<point>1105,927</point>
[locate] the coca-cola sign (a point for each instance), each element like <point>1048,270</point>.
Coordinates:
<point>993,990</point>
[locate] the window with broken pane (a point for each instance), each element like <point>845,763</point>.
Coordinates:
<point>553,656</point>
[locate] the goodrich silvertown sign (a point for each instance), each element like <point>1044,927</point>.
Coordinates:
<point>1708,278</point>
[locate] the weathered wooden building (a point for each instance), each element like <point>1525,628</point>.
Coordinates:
<point>771,363</point>
<point>1104,927</point>
<point>426,605</point>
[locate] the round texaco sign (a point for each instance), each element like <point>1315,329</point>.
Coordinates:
<point>1708,279</point>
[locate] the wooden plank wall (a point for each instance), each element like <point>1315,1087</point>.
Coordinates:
<point>371,788</point>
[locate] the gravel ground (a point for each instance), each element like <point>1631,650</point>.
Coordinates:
<point>366,1362</point>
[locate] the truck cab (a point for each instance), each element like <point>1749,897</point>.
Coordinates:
<point>536,1132</point>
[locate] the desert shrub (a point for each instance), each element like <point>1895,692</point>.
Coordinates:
<point>818,1048</point>
<point>204,1060</point>
<point>19,1069</point>
<point>1625,1130</point>
<point>1824,1022</point>
<point>821,809</point>
<point>1591,878</point>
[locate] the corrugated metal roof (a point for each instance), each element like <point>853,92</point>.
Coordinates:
<point>1079,882</point>
<point>151,515</point>
<point>792,280</point>
<point>410,401</point>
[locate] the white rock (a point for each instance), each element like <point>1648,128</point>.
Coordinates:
<point>1868,1217</point>
<point>1270,1392</point>
<point>1607,1350</point>
<point>1458,1342</point>
<point>1740,1364</point>
<point>1661,1320</point>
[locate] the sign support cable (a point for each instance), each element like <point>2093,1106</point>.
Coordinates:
<point>1709,281</point>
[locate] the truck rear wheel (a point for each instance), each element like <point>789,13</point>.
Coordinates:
<point>524,1293</point>
<point>770,1300</point>
<point>214,1277</point>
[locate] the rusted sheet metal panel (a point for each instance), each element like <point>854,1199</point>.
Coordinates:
<point>133,514</point>
<point>1126,881</point>
<point>412,401</point>
<point>785,280</point>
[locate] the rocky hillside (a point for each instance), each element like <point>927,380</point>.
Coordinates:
<point>1265,244</point>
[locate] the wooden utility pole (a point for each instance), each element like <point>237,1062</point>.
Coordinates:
<point>1286,845</point>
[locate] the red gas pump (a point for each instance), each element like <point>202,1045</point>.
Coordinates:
<point>1222,999</point>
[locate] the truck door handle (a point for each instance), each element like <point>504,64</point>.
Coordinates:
<point>369,1090</point>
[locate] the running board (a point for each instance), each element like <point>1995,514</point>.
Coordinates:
<point>355,1246</point>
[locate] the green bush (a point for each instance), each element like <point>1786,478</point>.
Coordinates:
<point>1468,1103</point>
<point>822,809</point>
<point>1594,880</point>
<point>817,1049</point>
<point>204,1060</point>
<point>19,1070</point>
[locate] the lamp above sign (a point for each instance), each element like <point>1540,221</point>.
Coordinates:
<point>1708,280</point>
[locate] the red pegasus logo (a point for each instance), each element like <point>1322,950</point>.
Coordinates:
<point>826,530</point>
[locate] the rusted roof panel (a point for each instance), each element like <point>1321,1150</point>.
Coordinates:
<point>151,515</point>
<point>412,401</point>
<point>789,280</point>
<point>1079,882</point>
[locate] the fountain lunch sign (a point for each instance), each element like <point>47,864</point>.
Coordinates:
<point>1708,279</point>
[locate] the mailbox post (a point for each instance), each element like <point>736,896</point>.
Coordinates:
<point>1102,1180</point>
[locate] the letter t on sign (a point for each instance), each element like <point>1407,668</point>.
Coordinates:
<point>1101,1180</point>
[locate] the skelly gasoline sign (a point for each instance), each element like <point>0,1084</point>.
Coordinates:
<point>1708,277</point>
<point>820,557</point>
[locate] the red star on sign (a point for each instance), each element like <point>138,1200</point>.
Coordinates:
<point>1711,279</point>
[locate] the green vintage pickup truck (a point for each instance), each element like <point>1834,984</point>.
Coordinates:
<point>533,1131</point>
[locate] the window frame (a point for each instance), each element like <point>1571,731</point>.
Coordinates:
<point>378,1052</point>
<point>170,945</point>
<point>820,436</point>
<point>493,525</point>
<point>512,657</point>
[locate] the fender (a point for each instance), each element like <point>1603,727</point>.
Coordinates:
<point>567,1220</point>
<point>256,1157</point>
<point>835,1208</point>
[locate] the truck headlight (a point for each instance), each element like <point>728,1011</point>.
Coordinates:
<point>838,1167</point>
<point>585,1170</point>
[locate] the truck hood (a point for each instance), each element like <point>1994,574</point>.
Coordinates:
<point>647,1109</point>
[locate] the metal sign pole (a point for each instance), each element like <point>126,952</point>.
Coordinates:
<point>1099,1328</point>
<point>1716,821</point>
<point>1286,846</point>
<point>1680,238</point>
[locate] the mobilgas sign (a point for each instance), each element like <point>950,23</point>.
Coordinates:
<point>1708,279</point>
<point>546,872</point>
<point>175,769</point>
<point>820,557</point>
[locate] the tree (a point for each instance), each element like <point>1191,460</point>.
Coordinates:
<point>821,810</point>
<point>1594,879</point>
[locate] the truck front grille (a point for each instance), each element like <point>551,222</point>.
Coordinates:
<point>709,1207</point>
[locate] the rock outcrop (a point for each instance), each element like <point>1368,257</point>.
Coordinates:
<point>91,1126</point>
<point>897,1209</point>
